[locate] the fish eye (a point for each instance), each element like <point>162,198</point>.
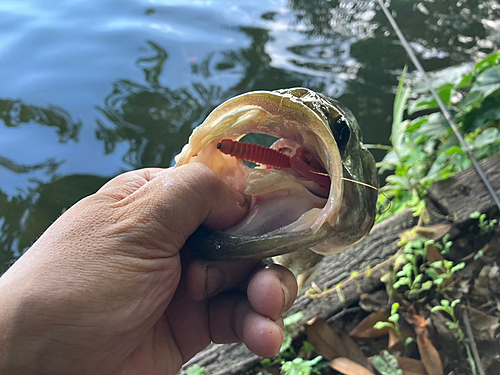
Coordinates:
<point>341,132</point>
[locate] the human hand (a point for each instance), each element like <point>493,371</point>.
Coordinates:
<point>102,290</point>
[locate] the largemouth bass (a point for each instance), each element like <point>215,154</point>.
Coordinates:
<point>290,211</point>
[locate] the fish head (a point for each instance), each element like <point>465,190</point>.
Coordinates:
<point>287,212</point>
<point>358,210</point>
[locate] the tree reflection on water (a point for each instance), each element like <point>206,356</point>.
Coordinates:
<point>15,113</point>
<point>156,120</point>
<point>153,119</point>
<point>343,48</point>
<point>25,216</point>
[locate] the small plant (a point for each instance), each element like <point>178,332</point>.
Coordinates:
<point>300,366</point>
<point>386,364</point>
<point>485,225</point>
<point>447,268</point>
<point>417,274</point>
<point>449,308</point>
<point>393,323</point>
<point>287,336</point>
<point>454,325</point>
<point>287,355</point>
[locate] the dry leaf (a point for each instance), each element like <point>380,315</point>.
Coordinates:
<point>354,352</point>
<point>433,255</point>
<point>394,339</point>
<point>428,353</point>
<point>365,328</point>
<point>347,367</point>
<point>483,325</point>
<point>411,366</point>
<point>331,345</point>
<point>325,341</point>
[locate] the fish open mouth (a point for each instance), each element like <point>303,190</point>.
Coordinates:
<point>284,198</point>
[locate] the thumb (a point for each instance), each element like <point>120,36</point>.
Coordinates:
<point>178,200</point>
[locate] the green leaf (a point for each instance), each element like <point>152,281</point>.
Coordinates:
<point>458,267</point>
<point>429,102</point>
<point>471,100</point>
<point>438,281</point>
<point>487,137</point>
<point>450,325</point>
<point>398,111</point>
<point>489,61</point>
<point>475,215</point>
<point>453,75</point>
<point>394,308</point>
<point>287,341</point>
<point>299,366</point>
<point>427,285</point>
<point>196,370</point>
<point>435,127</point>
<point>408,341</point>
<point>292,319</point>
<point>437,308</point>
<point>437,264</point>
<point>308,347</point>
<point>448,263</point>
<point>381,325</point>
<point>402,281</point>
<point>418,208</point>
<point>488,81</point>
<point>432,273</point>
<point>486,115</point>
<point>386,364</point>
<point>398,180</point>
<point>393,318</point>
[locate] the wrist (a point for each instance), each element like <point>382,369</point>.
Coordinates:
<point>17,349</point>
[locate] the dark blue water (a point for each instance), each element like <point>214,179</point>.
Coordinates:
<point>89,89</point>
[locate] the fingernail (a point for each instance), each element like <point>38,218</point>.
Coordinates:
<point>215,281</point>
<point>241,198</point>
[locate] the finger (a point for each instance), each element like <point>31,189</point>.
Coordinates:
<point>205,279</point>
<point>272,291</point>
<point>125,184</point>
<point>194,194</point>
<point>232,319</point>
<point>176,201</point>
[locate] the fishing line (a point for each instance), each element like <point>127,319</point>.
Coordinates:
<point>443,108</point>
<point>359,183</point>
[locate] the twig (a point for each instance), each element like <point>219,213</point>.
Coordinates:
<point>343,312</point>
<point>472,342</point>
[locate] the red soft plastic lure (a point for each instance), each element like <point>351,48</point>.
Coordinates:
<point>302,161</point>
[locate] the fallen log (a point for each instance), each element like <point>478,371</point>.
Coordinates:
<point>451,201</point>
